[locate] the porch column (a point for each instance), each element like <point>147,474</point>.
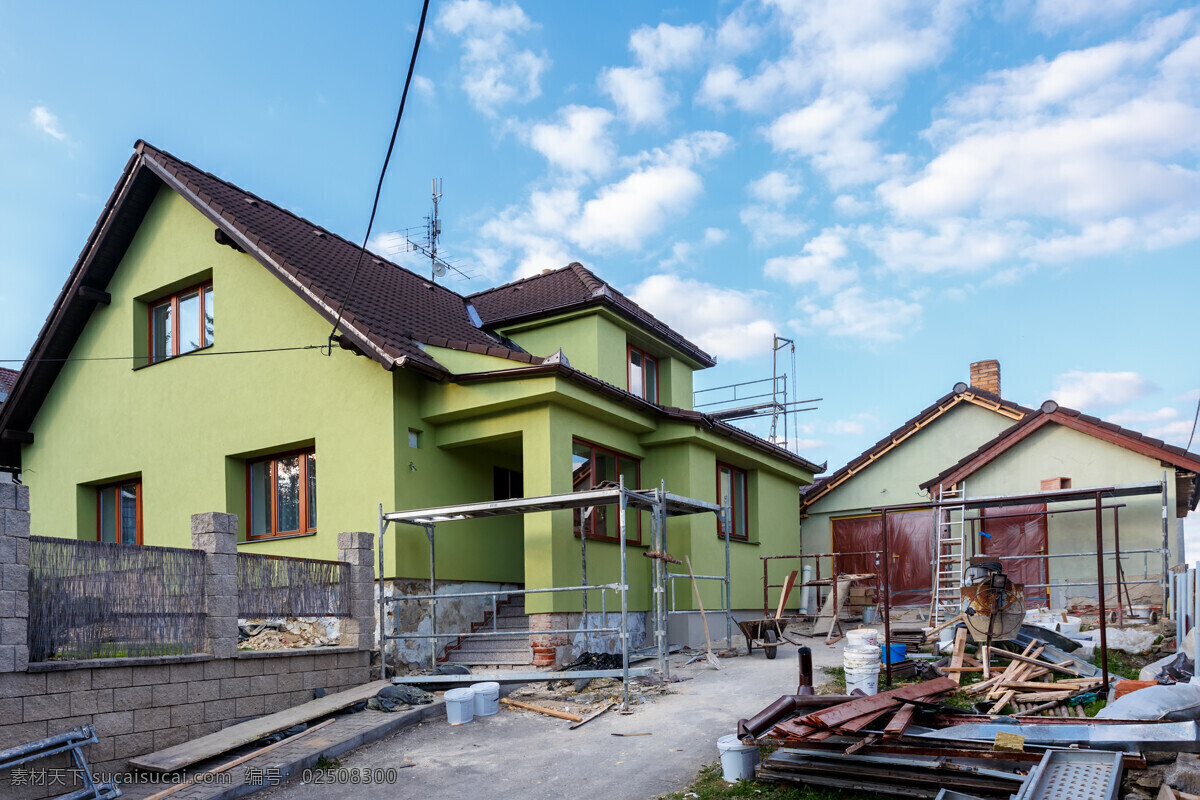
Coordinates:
<point>358,550</point>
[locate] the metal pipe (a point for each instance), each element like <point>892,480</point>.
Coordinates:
<point>728,514</point>
<point>429,530</point>
<point>382,650</point>
<point>593,587</point>
<point>1166,537</point>
<point>583,572</point>
<point>1120,573</point>
<point>486,634</point>
<point>624,504</point>
<point>887,587</point>
<point>1100,586</point>
<point>1109,554</point>
<point>805,683</point>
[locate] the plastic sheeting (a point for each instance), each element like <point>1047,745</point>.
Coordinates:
<point>910,540</point>
<point>1022,535</point>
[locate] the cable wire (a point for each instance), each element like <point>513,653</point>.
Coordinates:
<point>1194,418</point>
<point>412,63</point>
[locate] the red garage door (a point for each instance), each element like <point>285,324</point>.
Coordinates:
<point>910,542</point>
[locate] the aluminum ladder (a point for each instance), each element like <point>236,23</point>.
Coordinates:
<point>949,555</point>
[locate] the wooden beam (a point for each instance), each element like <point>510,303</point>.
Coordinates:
<point>94,295</point>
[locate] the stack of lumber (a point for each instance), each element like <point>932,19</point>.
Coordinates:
<point>853,716</point>
<point>1028,683</point>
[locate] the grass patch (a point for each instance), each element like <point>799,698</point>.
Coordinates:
<point>1121,663</point>
<point>709,785</point>
<point>837,679</point>
<point>325,763</point>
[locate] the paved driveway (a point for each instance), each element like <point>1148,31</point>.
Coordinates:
<point>530,756</point>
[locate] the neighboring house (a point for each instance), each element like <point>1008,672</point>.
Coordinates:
<point>1057,448</point>
<point>8,379</point>
<point>836,511</point>
<point>540,386</point>
<point>986,446</point>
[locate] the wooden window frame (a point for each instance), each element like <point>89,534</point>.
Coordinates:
<point>173,299</point>
<point>137,501</point>
<point>303,529</point>
<point>591,531</point>
<point>629,351</point>
<point>744,536</point>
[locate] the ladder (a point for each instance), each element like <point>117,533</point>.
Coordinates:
<point>949,555</point>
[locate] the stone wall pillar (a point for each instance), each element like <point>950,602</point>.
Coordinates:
<point>357,548</point>
<point>14,577</point>
<point>215,534</point>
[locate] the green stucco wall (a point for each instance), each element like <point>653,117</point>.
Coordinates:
<point>1057,451</point>
<point>895,477</point>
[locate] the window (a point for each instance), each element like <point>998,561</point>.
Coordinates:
<point>414,438</point>
<point>507,484</point>
<point>643,375</point>
<point>281,495</point>
<point>731,491</point>
<point>592,466</point>
<point>181,323</point>
<point>119,512</point>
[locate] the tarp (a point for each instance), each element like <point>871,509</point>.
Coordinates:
<point>910,541</point>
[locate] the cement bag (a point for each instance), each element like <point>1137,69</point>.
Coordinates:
<point>1129,640</point>
<point>1178,703</point>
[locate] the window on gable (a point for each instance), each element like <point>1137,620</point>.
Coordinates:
<point>119,512</point>
<point>281,495</point>
<point>592,466</point>
<point>181,323</point>
<point>731,493</point>
<point>643,375</point>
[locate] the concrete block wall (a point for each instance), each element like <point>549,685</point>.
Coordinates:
<point>142,705</point>
<point>14,577</point>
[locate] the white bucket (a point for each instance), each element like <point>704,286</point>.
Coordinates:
<point>1070,627</point>
<point>487,698</point>
<point>865,679</point>
<point>862,637</point>
<point>460,706</point>
<point>946,634</point>
<point>862,668</point>
<point>737,759</point>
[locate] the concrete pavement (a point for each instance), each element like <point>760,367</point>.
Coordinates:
<point>533,757</point>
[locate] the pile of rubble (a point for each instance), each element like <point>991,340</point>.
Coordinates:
<point>266,634</point>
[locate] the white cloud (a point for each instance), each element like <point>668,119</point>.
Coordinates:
<point>768,225</point>
<point>638,93</point>
<point>423,85</point>
<point>495,72</point>
<point>667,46</point>
<point>961,245</point>
<point>817,265</point>
<point>47,123</point>
<point>727,323</point>
<point>1086,391</point>
<point>1131,419</point>
<point>1053,16</point>
<point>776,188</point>
<point>853,315</point>
<point>838,134</point>
<point>684,254</point>
<point>580,142</point>
<point>623,214</point>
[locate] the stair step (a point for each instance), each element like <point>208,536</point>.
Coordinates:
<point>491,657</point>
<point>494,642</point>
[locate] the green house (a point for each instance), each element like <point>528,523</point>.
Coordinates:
<point>184,368</point>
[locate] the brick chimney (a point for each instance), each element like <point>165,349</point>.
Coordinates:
<point>985,375</point>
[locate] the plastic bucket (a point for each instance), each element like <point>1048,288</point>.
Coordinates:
<point>858,657</point>
<point>868,615</point>
<point>866,680</point>
<point>1070,627</point>
<point>487,698</point>
<point>737,759</point>
<point>862,637</point>
<point>894,653</point>
<point>460,706</point>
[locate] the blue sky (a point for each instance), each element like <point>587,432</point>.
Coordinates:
<point>902,188</point>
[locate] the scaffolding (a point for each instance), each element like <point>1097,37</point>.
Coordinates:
<point>658,502</point>
<point>1095,498</point>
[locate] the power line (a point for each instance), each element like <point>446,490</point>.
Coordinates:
<point>412,63</point>
<point>144,358</point>
<point>1194,418</point>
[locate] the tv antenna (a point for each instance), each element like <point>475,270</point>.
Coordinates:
<point>438,266</point>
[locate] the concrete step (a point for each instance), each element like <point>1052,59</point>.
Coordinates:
<point>491,657</point>
<point>494,643</point>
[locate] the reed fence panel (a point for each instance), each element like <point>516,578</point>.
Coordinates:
<point>281,586</point>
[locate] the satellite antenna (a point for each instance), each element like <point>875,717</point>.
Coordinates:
<point>438,266</point>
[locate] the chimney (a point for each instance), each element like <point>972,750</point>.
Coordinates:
<point>985,375</point>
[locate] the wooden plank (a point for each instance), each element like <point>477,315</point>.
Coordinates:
<point>788,583</point>
<point>1041,697</point>
<point>900,721</point>
<point>960,646</point>
<point>188,753</point>
<point>1002,702</point>
<point>1043,664</point>
<point>832,717</point>
<point>829,614</point>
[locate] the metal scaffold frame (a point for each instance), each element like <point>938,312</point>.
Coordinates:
<point>661,505</point>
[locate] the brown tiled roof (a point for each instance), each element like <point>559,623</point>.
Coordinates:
<point>496,351</point>
<point>961,393</point>
<point>574,286</point>
<point>388,307</point>
<point>622,396</point>
<point>8,379</point>
<point>1049,412</point>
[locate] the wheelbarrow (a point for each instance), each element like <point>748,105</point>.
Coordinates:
<point>765,633</point>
